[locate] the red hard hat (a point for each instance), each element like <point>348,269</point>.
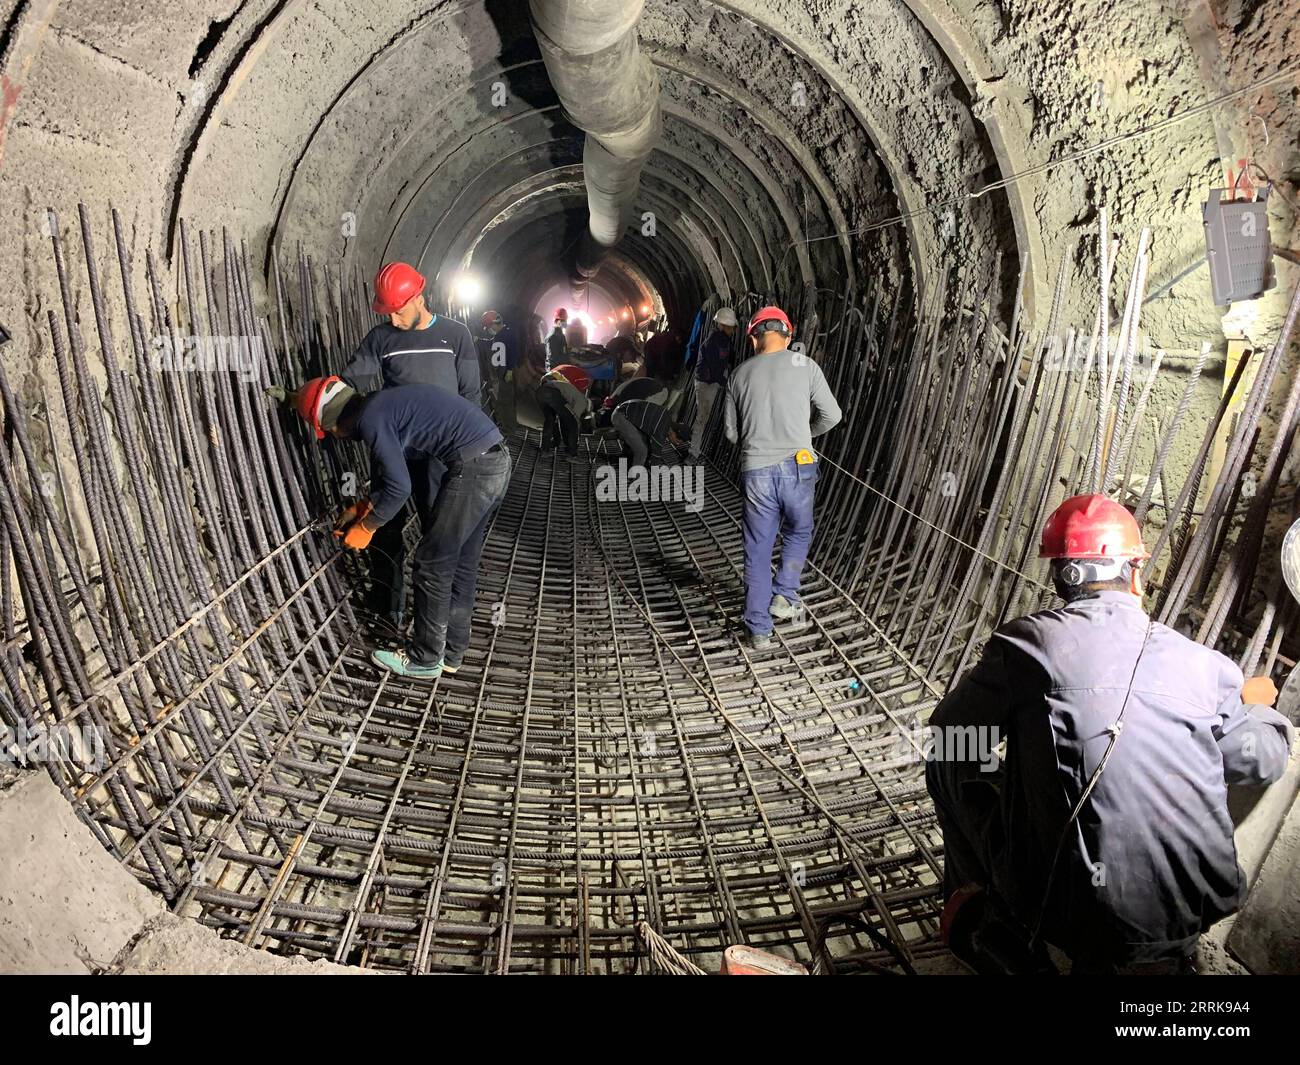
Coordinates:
<point>395,286</point>
<point>561,315</point>
<point>311,398</point>
<point>1091,526</point>
<point>769,314</point>
<point>490,318</point>
<point>575,375</point>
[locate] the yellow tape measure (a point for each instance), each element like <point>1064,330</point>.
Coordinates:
<point>805,457</point>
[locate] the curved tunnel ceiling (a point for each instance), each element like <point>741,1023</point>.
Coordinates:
<point>443,124</point>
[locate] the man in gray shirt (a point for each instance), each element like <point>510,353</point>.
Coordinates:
<point>777,402</point>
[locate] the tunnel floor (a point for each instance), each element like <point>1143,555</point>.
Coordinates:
<point>609,768</point>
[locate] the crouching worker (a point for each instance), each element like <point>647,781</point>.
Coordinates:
<point>1105,830</point>
<point>562,395</point>
<point>648,432</point>
<point>421,422</point>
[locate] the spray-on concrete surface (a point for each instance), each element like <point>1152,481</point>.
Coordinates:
<point>66,907</point>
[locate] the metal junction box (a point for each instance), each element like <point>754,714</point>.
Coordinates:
<point>1238,248</point>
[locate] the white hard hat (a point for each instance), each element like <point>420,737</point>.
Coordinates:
<point>726,316</point>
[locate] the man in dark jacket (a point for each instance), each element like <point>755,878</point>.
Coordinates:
<point>711,374</point>
<point>557,344</point>
<point>451,434</point>
<point>498,359</point>
<point>414,347</point>
<point>1105,830</point>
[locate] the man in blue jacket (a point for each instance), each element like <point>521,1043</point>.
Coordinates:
<point>445,433</point>
<point>1105,830</point>
<point>711,364</point>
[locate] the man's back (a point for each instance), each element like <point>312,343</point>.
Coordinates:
<point>1151,861</point>
<point>771,403</point>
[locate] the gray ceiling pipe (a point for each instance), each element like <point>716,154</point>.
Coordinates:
<point>609,90</point>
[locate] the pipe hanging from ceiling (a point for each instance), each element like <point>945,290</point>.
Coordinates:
<point>610,91</point>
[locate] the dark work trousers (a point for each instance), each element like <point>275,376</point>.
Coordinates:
<point>636,442</point>
<point>445,569</point>
<point>778,499</point>
<point>387,552</point>
<point>966,798</point>
<point>557,420</point>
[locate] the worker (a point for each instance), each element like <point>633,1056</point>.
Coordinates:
<point>648,432</point>
<point>450,434</point>
<point>1105,831</point>
<point>664,354</point>
<point>711,374</point>
<point>562,395</point>
<point>415,346</point>
<point>499,358</point>
<point>777,402</point>
<point>557,344</point>
<point>636,384</point>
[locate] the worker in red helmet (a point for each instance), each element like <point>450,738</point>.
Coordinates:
<point>777,402</point>
<point>498,348</point>
<point>557,344</point>
<point>466,471</point>
<point>562,395</point>
<point>1105,830</point>
<point>415,346</point>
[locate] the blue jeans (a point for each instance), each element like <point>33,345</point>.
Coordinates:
<point>778,499</point>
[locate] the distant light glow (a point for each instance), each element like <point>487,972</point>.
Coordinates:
<point>469,290</point>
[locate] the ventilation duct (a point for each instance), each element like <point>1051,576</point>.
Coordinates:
<point>610,91</point>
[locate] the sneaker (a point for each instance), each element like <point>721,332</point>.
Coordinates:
<point>399,662</point>
<point>783,609</point>
<point>759,641</point>
<point>449,666</point>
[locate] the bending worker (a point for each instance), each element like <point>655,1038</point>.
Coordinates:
<point>447,433</point>
<point>711,374</point>
<point>777,402</point>
<point>648,432</point>
<point>1105,831</point>
<point>562,395</point>
<point>414,347</point>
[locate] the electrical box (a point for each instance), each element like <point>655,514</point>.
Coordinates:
<point>1238,247</point>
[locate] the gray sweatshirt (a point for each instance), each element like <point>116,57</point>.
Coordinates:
<point>776,404</point>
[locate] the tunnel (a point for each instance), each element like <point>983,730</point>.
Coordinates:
<point>987,223</point>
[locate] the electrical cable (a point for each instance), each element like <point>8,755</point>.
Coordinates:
<point>1052,164</point>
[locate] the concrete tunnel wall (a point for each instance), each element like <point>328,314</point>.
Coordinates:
<point>411,127</point>
<point>369,131</point>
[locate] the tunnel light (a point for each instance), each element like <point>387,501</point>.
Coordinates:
<point>469,290</point>
<point>645,311</point>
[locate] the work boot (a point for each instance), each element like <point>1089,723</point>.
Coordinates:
<point>399,662</point>
<point>759,641</point>
<point>784,610</point>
